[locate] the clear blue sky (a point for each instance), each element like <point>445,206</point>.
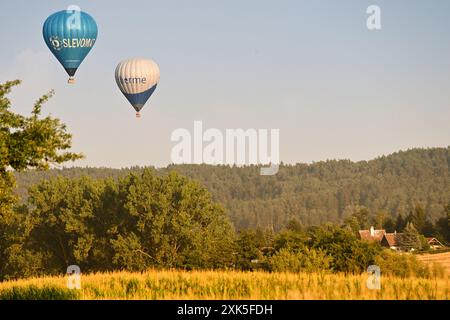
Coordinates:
<point>309,68</point>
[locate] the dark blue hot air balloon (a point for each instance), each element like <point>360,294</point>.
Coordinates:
<point>70,36</point>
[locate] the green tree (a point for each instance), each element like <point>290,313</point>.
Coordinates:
<point>31,142</point>
<point>362,216</point>
<point>25,143</point>
<point>352,224</point>
<point>348,253</point>
<point>410,238</point>
<point>290,240</point>
<point>418,218</point>
<point>62,225</point>
<point>400,223</point>
<point>442,226</point>
<point>248,250</point>
<point>429,229</point>
<point>295,225</point>
<point>144,220</point>
<point>389,225</point>
<point>172,222</point>
<point>305,260</point>
<point>380,219</point>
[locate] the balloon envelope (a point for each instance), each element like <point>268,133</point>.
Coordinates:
<point>70,36</point>
<point>137,79</point>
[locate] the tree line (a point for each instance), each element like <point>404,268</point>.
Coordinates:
<point>389,187</point>
<point>145,220</point>
<point>303,219</point>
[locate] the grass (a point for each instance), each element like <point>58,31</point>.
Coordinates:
<point>442,258</point>
<point>213,285</point>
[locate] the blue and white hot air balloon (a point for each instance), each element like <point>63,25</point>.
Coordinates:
<point>70,36</point>
<point>137,79</point>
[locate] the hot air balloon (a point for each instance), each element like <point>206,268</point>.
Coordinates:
<point>70,36</point>
<point>137,79</point>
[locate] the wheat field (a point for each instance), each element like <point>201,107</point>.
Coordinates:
<point>215,285</point>
<point>441,258</point>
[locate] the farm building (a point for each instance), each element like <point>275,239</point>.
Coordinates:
<point>434,243</point>
<point>388,240</point>
<point>391,240</point>
<point>372,235</point>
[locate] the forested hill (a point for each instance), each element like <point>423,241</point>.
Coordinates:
<point>313,193</point>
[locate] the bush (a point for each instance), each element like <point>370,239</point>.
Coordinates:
<point>406,266</point>
<point>306,260</point>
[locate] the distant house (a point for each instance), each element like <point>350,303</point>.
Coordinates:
<point>372,235</point>
<point>388,240</point>
<point>391,240</point>
<point>434,243</point>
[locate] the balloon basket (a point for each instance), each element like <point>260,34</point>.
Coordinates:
<point>71,81</point>
<point>138,115</point>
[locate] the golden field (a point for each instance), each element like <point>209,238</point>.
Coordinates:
<point>214,285</point>
<point>441,258</point>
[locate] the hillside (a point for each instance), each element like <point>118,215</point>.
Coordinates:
<point>313,193</point>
